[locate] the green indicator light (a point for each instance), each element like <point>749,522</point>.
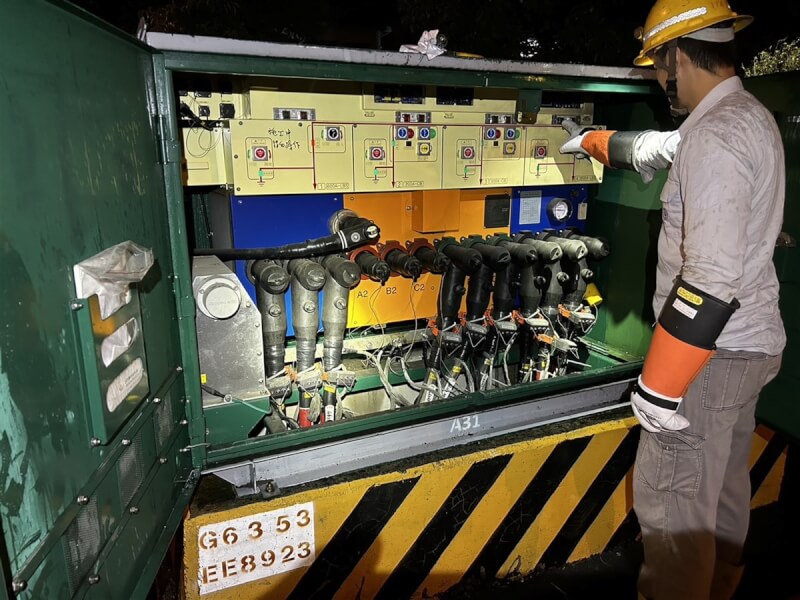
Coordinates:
<point>376,172</point>
<point>465,170</point>
<point>261,172</point>
<point>394,143</point>
<point>433,133</point>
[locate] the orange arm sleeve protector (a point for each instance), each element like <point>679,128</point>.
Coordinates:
<point>684,338</point>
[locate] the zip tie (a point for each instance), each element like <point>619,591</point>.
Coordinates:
<point>277,375</point>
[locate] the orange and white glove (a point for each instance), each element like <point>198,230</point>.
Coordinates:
<point>683,343</point>
<point>584,142</point>
<point>642,151</point>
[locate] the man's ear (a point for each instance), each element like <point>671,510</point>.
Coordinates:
<point>681,60</point>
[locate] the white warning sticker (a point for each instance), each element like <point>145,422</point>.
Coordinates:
<point>684,308</point>
<point>530,208</point>
<point>242,550</point>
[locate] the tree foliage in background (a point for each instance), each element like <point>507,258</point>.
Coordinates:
<point>781,57</point>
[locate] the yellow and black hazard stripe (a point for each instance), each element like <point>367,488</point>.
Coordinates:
<point>417,532</point>
<point>327,574</point>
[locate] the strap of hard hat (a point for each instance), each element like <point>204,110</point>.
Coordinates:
<point>672,60</point>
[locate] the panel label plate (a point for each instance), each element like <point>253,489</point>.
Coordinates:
<point>249,548</point>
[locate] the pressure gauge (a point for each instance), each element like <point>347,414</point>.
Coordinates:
<point>559,210</point>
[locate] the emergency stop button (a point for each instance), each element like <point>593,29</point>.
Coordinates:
<point>377,152</point>
<point>260,153</point>
<point>540,151</point>
<point>467,153</point>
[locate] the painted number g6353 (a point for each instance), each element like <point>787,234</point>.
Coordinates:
<point>256,546</point>
<point>212,538</point>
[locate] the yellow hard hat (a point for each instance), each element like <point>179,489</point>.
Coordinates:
<point>670,19</point>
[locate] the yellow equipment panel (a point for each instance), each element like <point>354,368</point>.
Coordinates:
<point>291,157</point>
<point>545,165</point>
<point>402,299</point>
<point>306,100</point>
<point>304,136</point>
<point>502,151</point>
<point>373,163</point>
<point>417,157</point>
<point>396,157</point>
<point>204,156</point>
<point>461,162</point>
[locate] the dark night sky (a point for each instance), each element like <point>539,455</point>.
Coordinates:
<point>580,31</point>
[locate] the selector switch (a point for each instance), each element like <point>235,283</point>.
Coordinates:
<point>509,148</point>
<point>333,134</point>
<point>424,149</point>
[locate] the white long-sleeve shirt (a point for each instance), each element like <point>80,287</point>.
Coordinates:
<point>654,150</point>
<point>722,213</point>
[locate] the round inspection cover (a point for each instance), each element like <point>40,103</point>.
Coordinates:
<point>219,299</point>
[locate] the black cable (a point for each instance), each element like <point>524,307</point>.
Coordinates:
<point>276,407</point>
<point>362,233</point>
<point>194,120</point>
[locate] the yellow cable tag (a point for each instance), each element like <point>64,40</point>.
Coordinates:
<point>592,295</point>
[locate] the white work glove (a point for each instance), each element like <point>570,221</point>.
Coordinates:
<point>573,144</point>
<point>656,413</point>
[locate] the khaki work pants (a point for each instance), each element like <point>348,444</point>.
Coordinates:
<point>691,488</point>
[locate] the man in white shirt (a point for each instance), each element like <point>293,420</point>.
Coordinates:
<point>719,336</point>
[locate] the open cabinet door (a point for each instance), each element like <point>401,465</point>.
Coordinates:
<point>95,472</point>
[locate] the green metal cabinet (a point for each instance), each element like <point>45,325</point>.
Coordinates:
<point>82,170</point>
<point>90,157</point>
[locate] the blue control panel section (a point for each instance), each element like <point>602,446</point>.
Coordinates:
<point>269,221</point>
<point>549,207</point>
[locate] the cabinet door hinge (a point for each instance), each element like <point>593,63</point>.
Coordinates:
<point>168,148</point>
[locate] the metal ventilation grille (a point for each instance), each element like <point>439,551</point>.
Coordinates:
<point>130,471</point>
<point>164,423</point>
<point>82,543</point>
